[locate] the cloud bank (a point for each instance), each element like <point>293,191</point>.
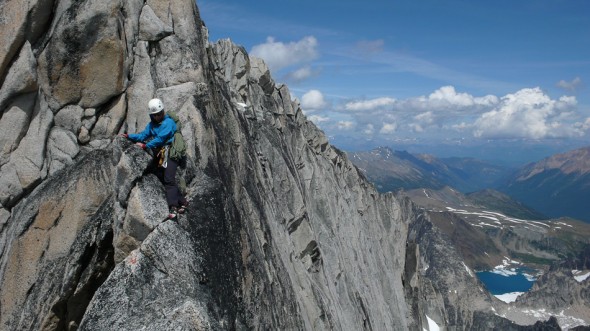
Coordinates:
<point>528,113</point>
<point>448,114</point>
<point>313,100</point>
<point>369,104</point>
<point>279,55</point>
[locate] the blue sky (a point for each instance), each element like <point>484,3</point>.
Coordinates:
<point>445,77</point>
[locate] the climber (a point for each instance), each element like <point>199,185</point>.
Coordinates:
<point>158,136</point>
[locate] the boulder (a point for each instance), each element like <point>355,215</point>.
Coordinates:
<point>70,118</point>
<point>21,78</point>
<point>84,61</point>
<point>146,208</point>
<point>88,121</point>
<point>10,187</point>
<point>109,122</point>
<point>28,160</point>
<point>151,28</point>
<point>62,148</point>
<point>131,165</point>
<point>20,21</point>
<point>14,124</point>
<point>89,118</point>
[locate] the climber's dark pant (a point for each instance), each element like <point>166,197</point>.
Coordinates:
<point>168,177</point>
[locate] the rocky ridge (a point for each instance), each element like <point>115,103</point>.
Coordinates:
<point>394,170</point>
<point>572,162</point>
<point>556,186</point>
<point>283,231</point>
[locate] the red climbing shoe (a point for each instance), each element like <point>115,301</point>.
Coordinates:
<point>173,213</point>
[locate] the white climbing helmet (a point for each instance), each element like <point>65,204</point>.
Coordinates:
<point>155,106</point>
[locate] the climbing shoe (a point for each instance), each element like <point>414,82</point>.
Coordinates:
<point>173,213</point>
<point>183,207</point>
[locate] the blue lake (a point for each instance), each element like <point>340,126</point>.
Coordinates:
<point>500,284</point>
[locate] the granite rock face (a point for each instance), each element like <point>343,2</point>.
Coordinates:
<point>283,232</point>
<point>559,291</point>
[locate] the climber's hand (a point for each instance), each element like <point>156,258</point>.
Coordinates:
<point>142,145</point>
<point>124,135</point>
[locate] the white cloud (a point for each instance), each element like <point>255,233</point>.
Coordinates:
<point>313,100</point>
<point>278,55</point>
<point>570,86</point>
<point>566,102</point>
<point>423,120</point>
<point>583,126</point>
<point>461,126</point>
<point>345,125</point>
<point>427,117</point>
<point>388,128</point>
<point>369,104</point>
<point>317,119</point>
<point>416,127</point>
<point>528,113</point>
<point>447,97</point>
<point>300,74</point>
<point>437,109</point>
<point>446,114</point>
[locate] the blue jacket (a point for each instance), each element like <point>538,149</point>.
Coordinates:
<point>160,134</point>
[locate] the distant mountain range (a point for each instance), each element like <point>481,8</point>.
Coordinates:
<point>393,170</point>
<point>553,187</point>
<point>556,186</point>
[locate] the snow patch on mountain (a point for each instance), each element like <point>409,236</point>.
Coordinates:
<point>468,270</point>
<point>498,220</point>
<point>509,297</point>
<point>564,318</point>
<point>432,326</point>
<point>580,275</point>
